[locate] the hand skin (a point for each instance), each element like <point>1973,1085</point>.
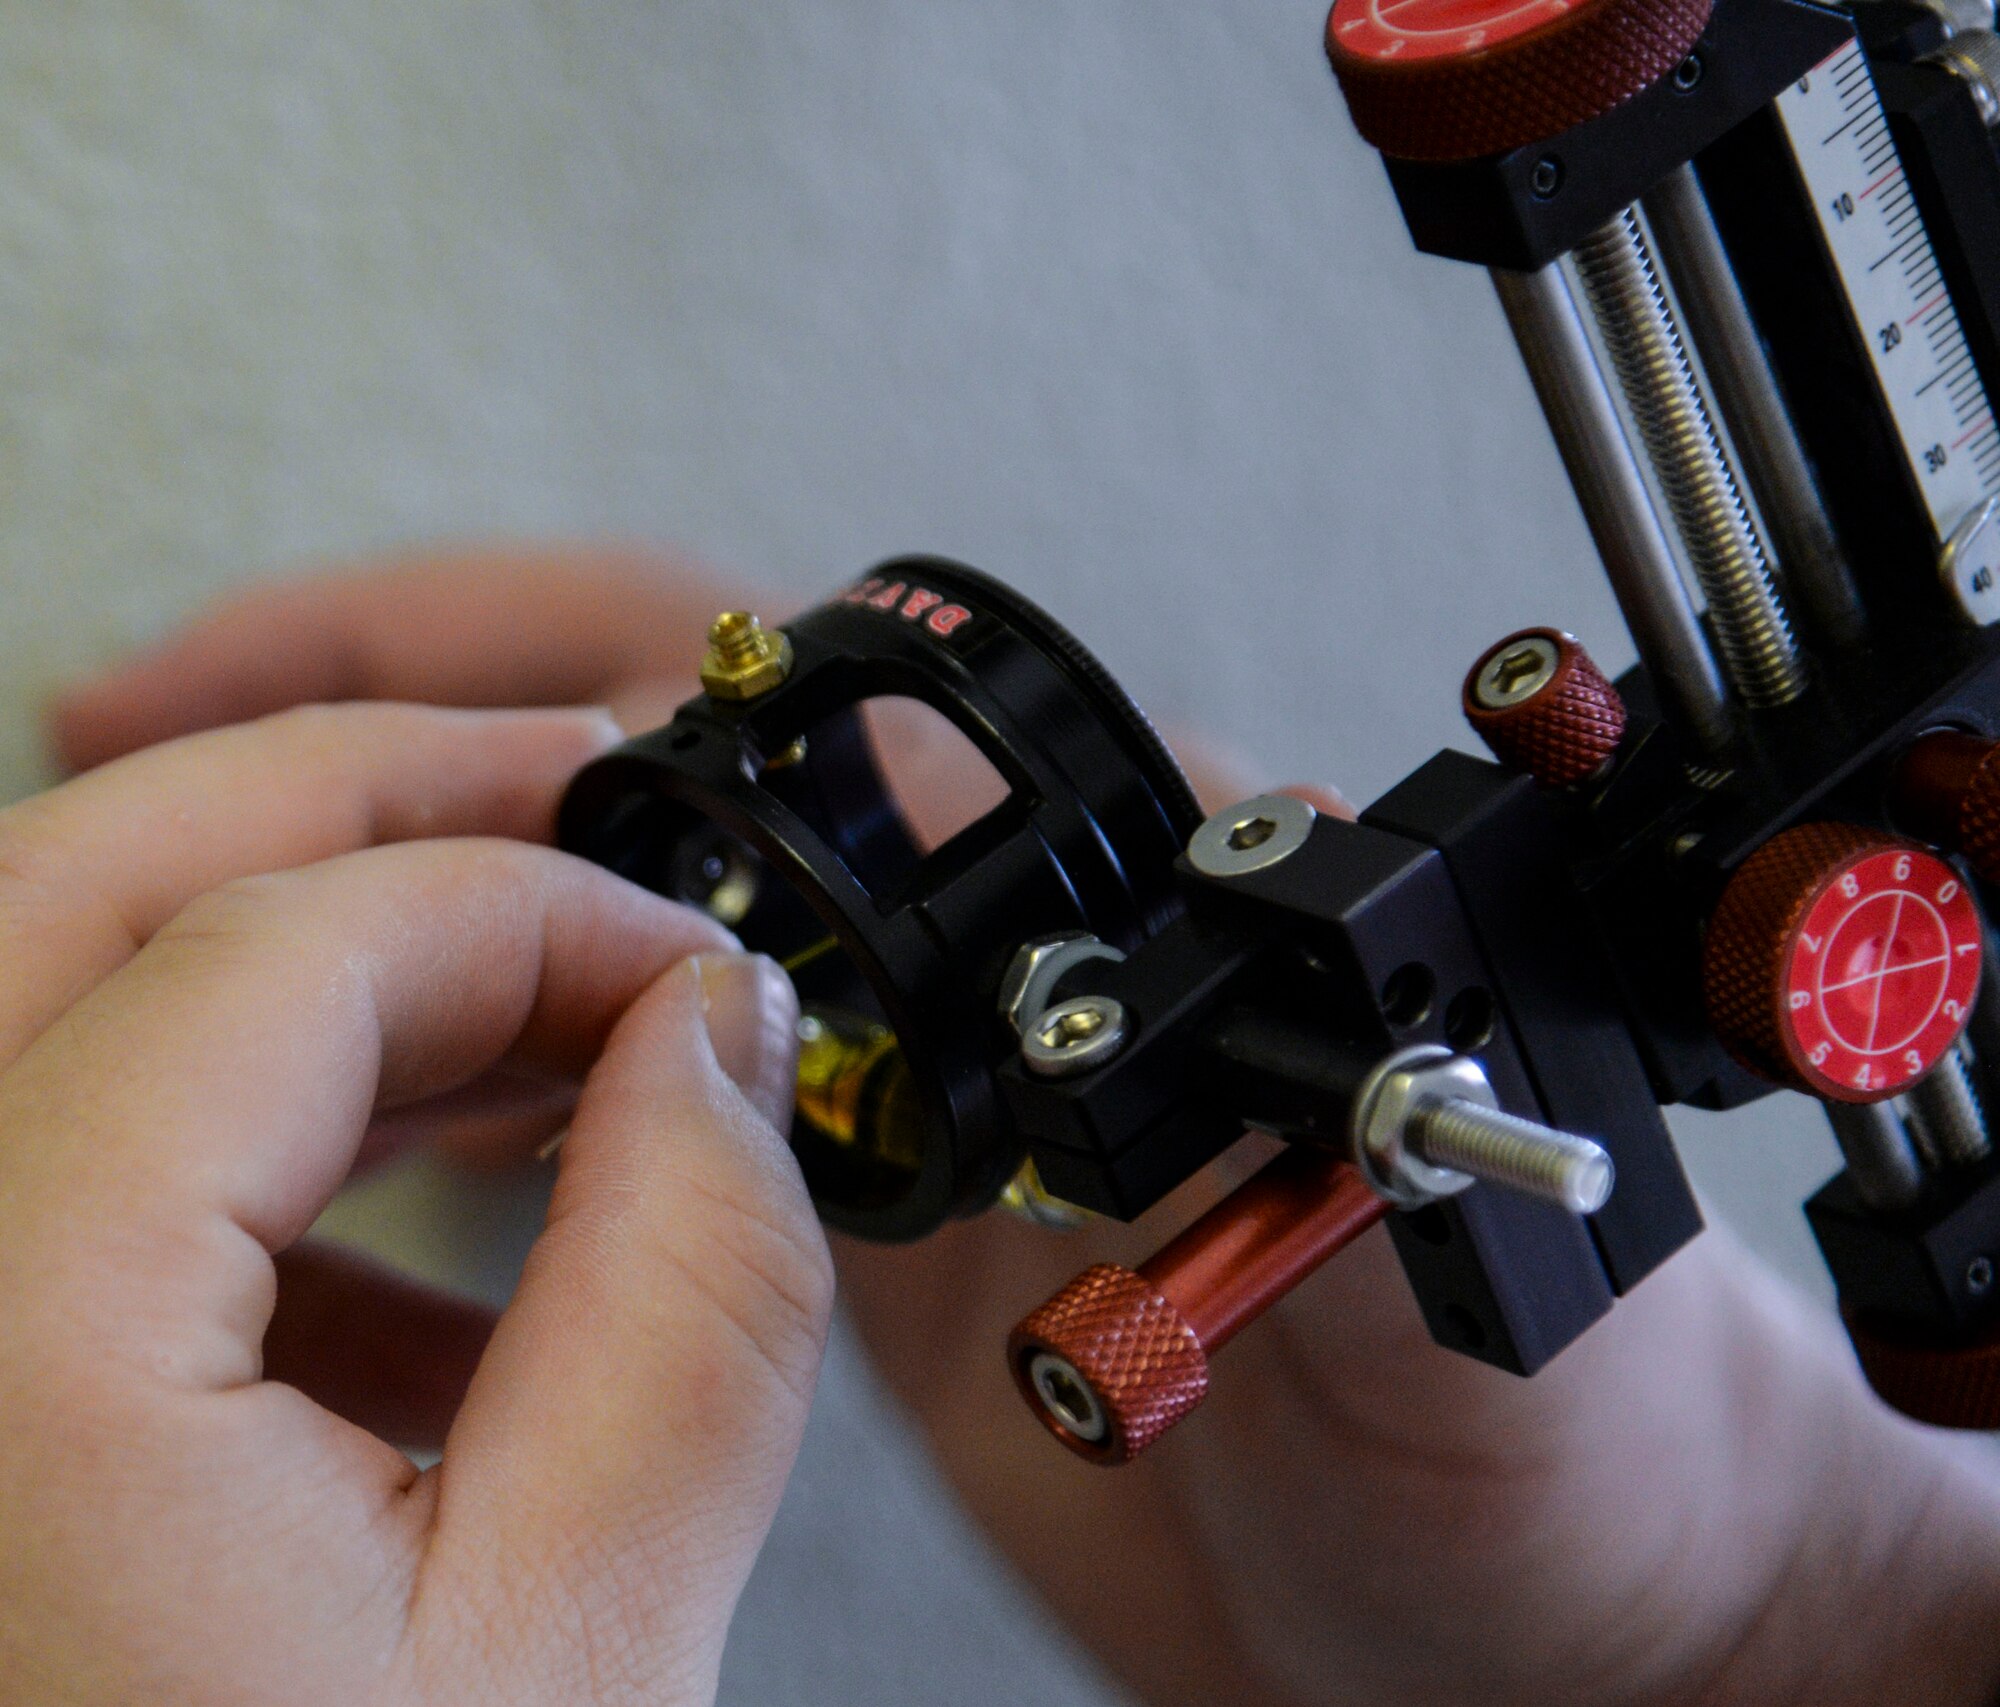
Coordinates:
<point>230,965</point>
<point>1699,1502</point>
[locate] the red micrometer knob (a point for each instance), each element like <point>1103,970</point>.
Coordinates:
<point>1120,1355</point>
<point>1841,961</point>
<point>1947,790</point>
<point>1456,79</point>
<point>1539,702</point>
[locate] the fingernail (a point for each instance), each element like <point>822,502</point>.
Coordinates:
<point>753,1021</point>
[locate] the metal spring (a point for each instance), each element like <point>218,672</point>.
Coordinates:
<point>1637,325</point>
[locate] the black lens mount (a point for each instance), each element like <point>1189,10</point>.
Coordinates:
<point>773,813</point>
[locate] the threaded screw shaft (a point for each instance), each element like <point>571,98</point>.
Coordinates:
<point>1507,1150</point>
<point>738,639</point>
<point>1945,1109</point>
<point>1618,276</point>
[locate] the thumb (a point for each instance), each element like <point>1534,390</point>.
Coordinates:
<point>624,1443</point>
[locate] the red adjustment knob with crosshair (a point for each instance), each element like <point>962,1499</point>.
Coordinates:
<point>1539,702</point>
<point>1841,961</point>
<point>1455,79</point>
<point>1120,1355</point>
<point>1946,789</point>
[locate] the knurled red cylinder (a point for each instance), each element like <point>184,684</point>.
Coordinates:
<point>1142,1338</point>
<point>1947,790</point>
<point>1565,730</point>
<point>1842,961</point>
<point>1456,79</point>
<point>1946,1386</point>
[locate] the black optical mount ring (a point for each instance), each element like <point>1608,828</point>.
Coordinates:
<point>1095,815</point>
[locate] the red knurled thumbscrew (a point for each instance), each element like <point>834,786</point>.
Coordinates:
<point>1538,701</point>
<point>1120,1355</point>
<point>1456,79</point>
<point>1946,789</point>
<point>1841,961</point>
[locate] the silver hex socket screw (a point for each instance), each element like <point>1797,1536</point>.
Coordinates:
<point>1427,1124</point>
<point>1074,1037</point>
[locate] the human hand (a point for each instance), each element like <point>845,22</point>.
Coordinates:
<point>222,981</point>
<point>1698,1502</point>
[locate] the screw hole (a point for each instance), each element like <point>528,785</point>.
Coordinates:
<point>1406,997</point>
<point>1979,1276</point>
<point>1468,1021</point>
<point>1430,1225</point>
<point>685,739</point>
<point>1545,177</point>
<point>1464,1326</point>
<point>1688,73</point>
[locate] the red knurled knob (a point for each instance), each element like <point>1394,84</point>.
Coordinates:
<point>1140,1366</point>
<point>1118,1356</point>
<point>1455,79</point>
<point>1539,702</point>
<point>1947,1386</point>
<point>1841,961</point>
<point>1947,789</point>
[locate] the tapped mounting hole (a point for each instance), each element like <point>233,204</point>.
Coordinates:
<point>1407,994</point>
<point>1469,1020</point>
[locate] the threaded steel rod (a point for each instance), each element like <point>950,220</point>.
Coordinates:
<point>1624,524</point>
<point>1945,1109</point>
<point>1509,1151</point>
<point>1759,655</point>
<point>1746,395</point>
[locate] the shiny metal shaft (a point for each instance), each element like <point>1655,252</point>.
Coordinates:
<point>1510,1151</point>
<point>1881,1161</point>
<point>1759,655</point>
<point>1946,1112</point>
<point>1617,505</point>
<point>1746,395</point>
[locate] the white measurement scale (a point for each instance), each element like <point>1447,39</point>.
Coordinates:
<point>1933,391</point>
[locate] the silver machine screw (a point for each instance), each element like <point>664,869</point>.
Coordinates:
<point>1427,1123</point>
<point>1074,1036</point>
<point>1251,836</point>
<point>1759,655</point>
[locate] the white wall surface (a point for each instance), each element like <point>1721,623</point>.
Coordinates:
<point>1101,295</point>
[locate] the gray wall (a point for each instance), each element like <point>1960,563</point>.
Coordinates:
<point>1104,297</point>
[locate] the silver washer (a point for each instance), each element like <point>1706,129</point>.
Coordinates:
<point>1074,1036</point>
<point>1516,671</point>
<point>1067,1397</point>
<point>1388,1100</point>
<point>1251,836</point>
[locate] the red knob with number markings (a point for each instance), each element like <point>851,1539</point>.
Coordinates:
<point>1455,79</point>
<point>1841,961</point>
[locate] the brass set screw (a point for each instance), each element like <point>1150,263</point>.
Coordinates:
<point>744,659</point>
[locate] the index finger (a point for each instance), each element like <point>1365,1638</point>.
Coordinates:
<point>90,870</point>
<point>491,626</point>
<point>225,1076</point>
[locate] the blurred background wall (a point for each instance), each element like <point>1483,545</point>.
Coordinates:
<point>1100,295</point>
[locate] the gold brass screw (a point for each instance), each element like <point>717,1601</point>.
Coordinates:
<point>744,659</point>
